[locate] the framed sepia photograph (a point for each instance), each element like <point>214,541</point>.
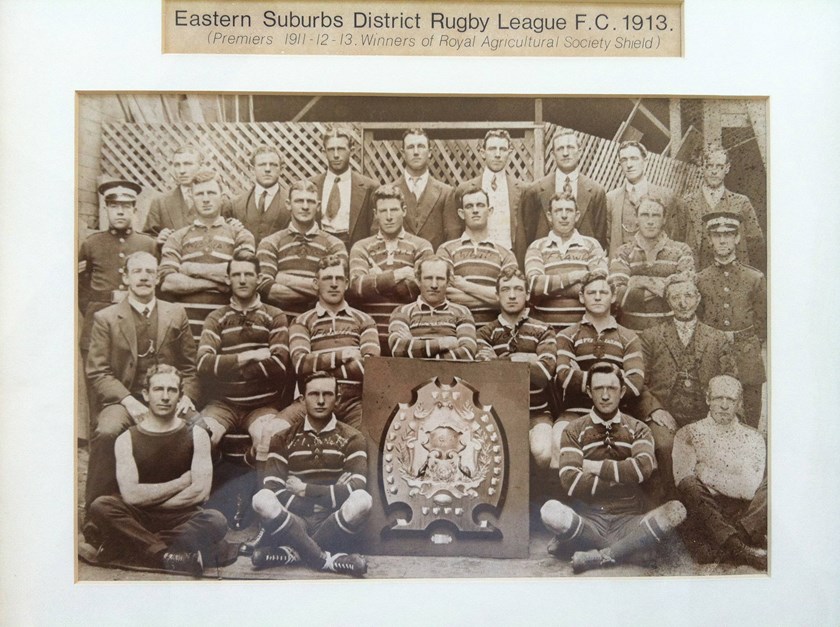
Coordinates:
<point>633,229</point>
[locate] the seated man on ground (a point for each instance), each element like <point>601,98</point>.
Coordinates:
<point>720,473</point>
<point>312,502</point>
<point>164,472</point>
<point>243,360</point>
<point>604,459</point>
<point>515,336</point>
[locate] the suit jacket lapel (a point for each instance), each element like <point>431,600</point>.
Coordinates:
<point>426,202</point>
<point>672,340</point>
<point>127,325</point>
<point>164,321</point>
<point>584,193</point>
<point>357,198</point>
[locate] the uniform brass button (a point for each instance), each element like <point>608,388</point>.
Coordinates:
<point>726,322</point>
<point>726,305</point>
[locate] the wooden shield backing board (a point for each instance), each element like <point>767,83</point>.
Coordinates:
<point>391,386</point>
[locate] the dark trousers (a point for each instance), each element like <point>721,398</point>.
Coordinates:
<point>149,531</point>
<point>713,518</point>
<point>102,465</point>
<point>752,405</point>
<point>660,487</point>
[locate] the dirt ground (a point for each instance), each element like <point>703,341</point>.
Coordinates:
<point>672,560</point>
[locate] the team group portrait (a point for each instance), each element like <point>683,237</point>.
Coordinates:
<point>335,336</point>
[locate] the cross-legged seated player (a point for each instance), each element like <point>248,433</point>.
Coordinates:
<point>164,472</point>
<point>605,457</point>
<point>314,496</point>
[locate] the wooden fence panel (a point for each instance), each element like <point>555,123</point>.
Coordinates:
<point>141,152</point>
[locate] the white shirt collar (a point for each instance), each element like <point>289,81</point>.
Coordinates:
<point>560,177</point>
<point>255,304</point>
<point>576,238</point>
<point>320,310</point>
<point>313,230</point>
<point>598,421</point>
<point>138,306</point>
<point>522,316</point>
<point>307,426</point>
<point>219,221</point>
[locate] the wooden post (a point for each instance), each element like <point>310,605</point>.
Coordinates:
<point>539,140</point>
<point>675,123</point>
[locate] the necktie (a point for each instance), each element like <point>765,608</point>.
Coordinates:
<point>261,201</point>
<point>415,186</point>
<point>146,311</point>
<point>334,201</point>
<point>567,186</point>
<point>493,185</point>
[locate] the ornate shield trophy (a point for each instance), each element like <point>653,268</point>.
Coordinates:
<point>444,458</point>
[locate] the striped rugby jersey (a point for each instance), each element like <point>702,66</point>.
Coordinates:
<point>317,337</point>
<point>415,329</point>
<point>581,345</point>
<point>372,285</point>
<point>499,339</point>
<point>479,263</point>
<point>297,253</point>
<point>641,308</point>
<point>626,447</point>
<point>229,331</point>
<point>548,262</point>
<point>319,459</point>
<point>200,243</point>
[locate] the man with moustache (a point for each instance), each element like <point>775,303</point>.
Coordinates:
<point>557,264</point>
<point>102,255</point>
<point>382,266</point>
<point>289,259</point>
<point>506,226</point>
<point>429,203</point>
<point>262,209</point>
<point>477,260</point>
<point>127,339</point>
<point>721,476</point>
<point>642,265</point>
<point>714,197</point>
<point>193,266</point>
<point>432,327</point>
<point>605,458</point>
<point>346,196</point>
<point>681,357</point>
<point>164,471</point>
<point>516,336</point>
<point>623,201</point>
<point>567,180</point>
<point>735,302</point>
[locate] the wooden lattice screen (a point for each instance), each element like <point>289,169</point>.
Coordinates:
<point>141,152</point>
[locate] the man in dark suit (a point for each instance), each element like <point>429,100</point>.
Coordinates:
<point>623,201</point>
<point>589,195</point>
<point>262,208</point>
<point>175,209</point>
<point>346,196</point>
<point>506,225</point>
<point>429,203</point>
<point>681,357</point>
<point>126,340</point>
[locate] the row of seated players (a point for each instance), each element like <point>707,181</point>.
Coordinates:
<point>245,351</point>
<point>314,496</point>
